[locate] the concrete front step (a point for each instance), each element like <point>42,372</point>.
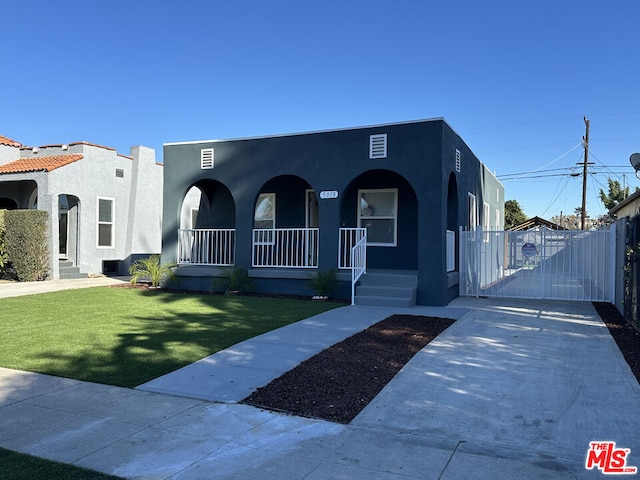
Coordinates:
<point>386,291</point>
<point>68,271</point>
<point>392,288</point>
<point>385,301</point>
<point>392,279</point>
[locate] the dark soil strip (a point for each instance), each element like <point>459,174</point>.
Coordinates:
<point>340,381</point>
<point>625,335</point>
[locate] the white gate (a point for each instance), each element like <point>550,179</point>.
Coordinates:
<point>544,264</point>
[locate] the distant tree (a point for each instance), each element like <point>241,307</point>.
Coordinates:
<point>616,194</point>
<point>513,214</point>
<point>567,222</point>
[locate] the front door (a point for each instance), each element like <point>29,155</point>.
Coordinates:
<point>63,226</point>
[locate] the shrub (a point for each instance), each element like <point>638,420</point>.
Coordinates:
<point>323,283</point>
<point>26,243</point>
<point>151,268</point>
<point>4,257</point>
<point>233,279</point>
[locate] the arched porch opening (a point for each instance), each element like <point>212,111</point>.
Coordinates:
<point>8,204</point>
<point>207,225</point>
<point>285,224</point>
<point>385,204</point>
<point>19,194</point>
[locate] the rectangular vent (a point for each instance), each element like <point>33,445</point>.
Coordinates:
<point>458,160</point>
<point>119,173</point>
<point>206,158</point>
<point>378,146</point>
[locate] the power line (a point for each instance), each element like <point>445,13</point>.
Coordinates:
<point>551,162</point>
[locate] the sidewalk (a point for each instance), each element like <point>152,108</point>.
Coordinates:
<point>17,289</point>
<point>514,389</point>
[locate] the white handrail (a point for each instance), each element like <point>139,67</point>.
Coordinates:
<point>358,263</point>
<point>348,238</point>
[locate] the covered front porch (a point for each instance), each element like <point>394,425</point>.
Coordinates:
<point>271,248</point>
<point>288,232</point>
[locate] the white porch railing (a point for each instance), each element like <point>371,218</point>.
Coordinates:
<point>206,247</point>
<point>285,247</point>
<point>358,264</point>
<point>349,237</point>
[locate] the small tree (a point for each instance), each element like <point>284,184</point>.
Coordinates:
<point>615,196</point>
<point>152,269</point>
<point>513,214</point>
<point>26,243</point>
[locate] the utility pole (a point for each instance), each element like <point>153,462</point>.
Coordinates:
<point>585,141</point>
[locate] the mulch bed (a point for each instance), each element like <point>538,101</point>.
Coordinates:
<point>625,335</point>
<point>340,381</point>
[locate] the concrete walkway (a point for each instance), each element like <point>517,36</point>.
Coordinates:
<point>514,389</point>
<point>18,289</point>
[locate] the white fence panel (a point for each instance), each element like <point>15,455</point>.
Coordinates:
<point>544,264</point>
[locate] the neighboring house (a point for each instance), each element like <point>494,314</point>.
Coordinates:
<point>105,209</point>
<point>629,207</point>
<point>536,223</point>
<point>288,206</point>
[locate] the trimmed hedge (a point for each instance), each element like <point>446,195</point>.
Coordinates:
<point>27,244</point>
<point>4,257</point>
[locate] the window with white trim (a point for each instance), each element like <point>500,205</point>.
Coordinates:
<point>378,146</point>
<point>264,218</point>
<point>497,220</point>
<point>486,221</point>
<point>206,159</point>
<point>105,227</point>
<point>473,213</point>
<point>193,219</point>
<point>378,213</point>
<point>265,214</point>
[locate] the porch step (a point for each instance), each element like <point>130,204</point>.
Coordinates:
<point>389,288</point>
<point>67,270</point>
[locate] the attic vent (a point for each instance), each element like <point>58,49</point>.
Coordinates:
<point>457,160</point>
<point>119,173</point>
<point>206,158</point>
<point>378,146</point>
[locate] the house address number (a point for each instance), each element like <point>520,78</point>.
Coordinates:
<point>329,194</point>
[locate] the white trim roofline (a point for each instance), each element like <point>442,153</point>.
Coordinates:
<point>363,127</point>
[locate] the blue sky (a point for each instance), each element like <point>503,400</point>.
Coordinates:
<point>514,79</point>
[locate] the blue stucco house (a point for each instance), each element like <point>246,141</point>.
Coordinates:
<point>385,199</point>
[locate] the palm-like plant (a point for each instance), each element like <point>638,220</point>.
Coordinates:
<point>152,268</point>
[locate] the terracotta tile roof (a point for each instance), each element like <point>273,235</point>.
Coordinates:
<point>39,164</point>
<point>9,142</point>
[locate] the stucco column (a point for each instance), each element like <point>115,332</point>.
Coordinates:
<point>329,237</point>
<point>49,203</point>
<point>244,234</point>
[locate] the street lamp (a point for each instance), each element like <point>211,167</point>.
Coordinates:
<point>634,159</point>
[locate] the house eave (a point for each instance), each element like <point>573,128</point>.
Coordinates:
<point>312,132</point>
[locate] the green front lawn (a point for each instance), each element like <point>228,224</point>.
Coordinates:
<point>17,466</point>
<point>122,336</point>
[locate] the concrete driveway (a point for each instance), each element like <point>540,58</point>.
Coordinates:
<point>514,389</point>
